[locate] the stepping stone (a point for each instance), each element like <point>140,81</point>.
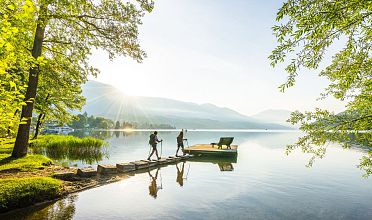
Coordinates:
<point>106,169</point>
<point>163,161</point>
<point>67,175</point>
<point>187,156</point>
<point>171,159</point>
<point>125,167</point>
<point>140,164</point>
<point>175,158</point>
<point>151,163</point>
<point>86,172</point>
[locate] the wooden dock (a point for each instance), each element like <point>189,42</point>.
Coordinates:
<point>209,150</point>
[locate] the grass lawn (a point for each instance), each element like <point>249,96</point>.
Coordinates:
<point>21,192</point>
<point>6,145</point>
<point>29,163</point>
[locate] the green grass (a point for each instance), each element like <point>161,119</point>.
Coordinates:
<point>30,162</point>
<point>70,148</point>
<point>21,192</point>
<point>6,145</point>
<point>53,141</point>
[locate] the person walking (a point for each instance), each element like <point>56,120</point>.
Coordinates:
<point>180,143</point>
<point>153,142</point>
<point>153,187</point>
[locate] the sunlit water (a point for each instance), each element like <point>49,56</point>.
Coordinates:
<point>263,183</point>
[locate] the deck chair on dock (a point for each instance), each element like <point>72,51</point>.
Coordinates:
<point>224,141</point>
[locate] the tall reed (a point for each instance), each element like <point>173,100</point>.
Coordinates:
<point>88,150</point>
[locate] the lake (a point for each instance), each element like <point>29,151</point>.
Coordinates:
<point>262,183</point>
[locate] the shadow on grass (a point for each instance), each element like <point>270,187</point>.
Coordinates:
<point>8,160</point>
<point>30,162</point>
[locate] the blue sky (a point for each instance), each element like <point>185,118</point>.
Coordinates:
<point>213,52</point>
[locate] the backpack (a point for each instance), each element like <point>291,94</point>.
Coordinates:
<point>152,139</point>
<point>180,139</point>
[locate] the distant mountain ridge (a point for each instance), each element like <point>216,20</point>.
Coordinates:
<point>277,116</point>
<point>107,101</point>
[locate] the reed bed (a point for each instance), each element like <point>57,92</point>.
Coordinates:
<point>61,148</point>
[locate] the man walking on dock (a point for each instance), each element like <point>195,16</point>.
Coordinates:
<point>153,142</point>
<point>180,143</point>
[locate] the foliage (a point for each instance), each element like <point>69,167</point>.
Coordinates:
<point>117,125</point>
<point>29,163</point>
<point>92,122</point>
<point>6,145</point>
<point>14,59</point>
<point>21,192</point>
<point>59,148</point>
<point>60,35</point>
<point>307,30</point>
<point>58,96</point>
<point>83,121</point>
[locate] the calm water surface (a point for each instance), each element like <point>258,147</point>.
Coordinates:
<point>263,183</point>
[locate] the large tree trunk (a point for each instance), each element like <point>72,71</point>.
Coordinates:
<point>20,146</point>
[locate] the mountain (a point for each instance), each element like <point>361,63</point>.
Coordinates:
<point>277,116</point>
<point>107,101</point>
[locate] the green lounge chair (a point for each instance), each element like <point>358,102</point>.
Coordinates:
<point>224,141</point>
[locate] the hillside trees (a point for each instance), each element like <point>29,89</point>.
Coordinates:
<point>83,121</point>
<point>305,31</point>
<point>63,34</point>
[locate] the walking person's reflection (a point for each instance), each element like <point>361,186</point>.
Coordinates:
<point>179,179</point>
<point>153,187</point>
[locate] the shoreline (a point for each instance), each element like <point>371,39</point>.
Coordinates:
<point>74,184</point>
<point>79,184</point>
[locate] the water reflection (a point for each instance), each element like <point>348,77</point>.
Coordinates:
<point>180,172</point>
<point>226,166</point>
<point>262,183</point>
<point>63,209</point>
<point>153,187</point>
<point>66,155</point>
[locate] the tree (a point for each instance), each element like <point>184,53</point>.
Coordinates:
<point>64,34</point>
<point>307,30</point>
<point>58,96</point>
<point>117,125</point>
<point>80,121</point>
<point>14,59</point>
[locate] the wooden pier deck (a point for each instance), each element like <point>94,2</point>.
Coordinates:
<point>209,150</point>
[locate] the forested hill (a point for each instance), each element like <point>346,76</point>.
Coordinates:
<point>107,101</point>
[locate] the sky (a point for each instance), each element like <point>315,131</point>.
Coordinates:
<point>213,51</point>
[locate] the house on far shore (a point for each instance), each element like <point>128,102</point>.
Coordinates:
<point>51,128</point>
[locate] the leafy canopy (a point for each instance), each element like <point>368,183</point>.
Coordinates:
<point>72,30</point>
<point>305,31</point>
<point>15,60</point>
